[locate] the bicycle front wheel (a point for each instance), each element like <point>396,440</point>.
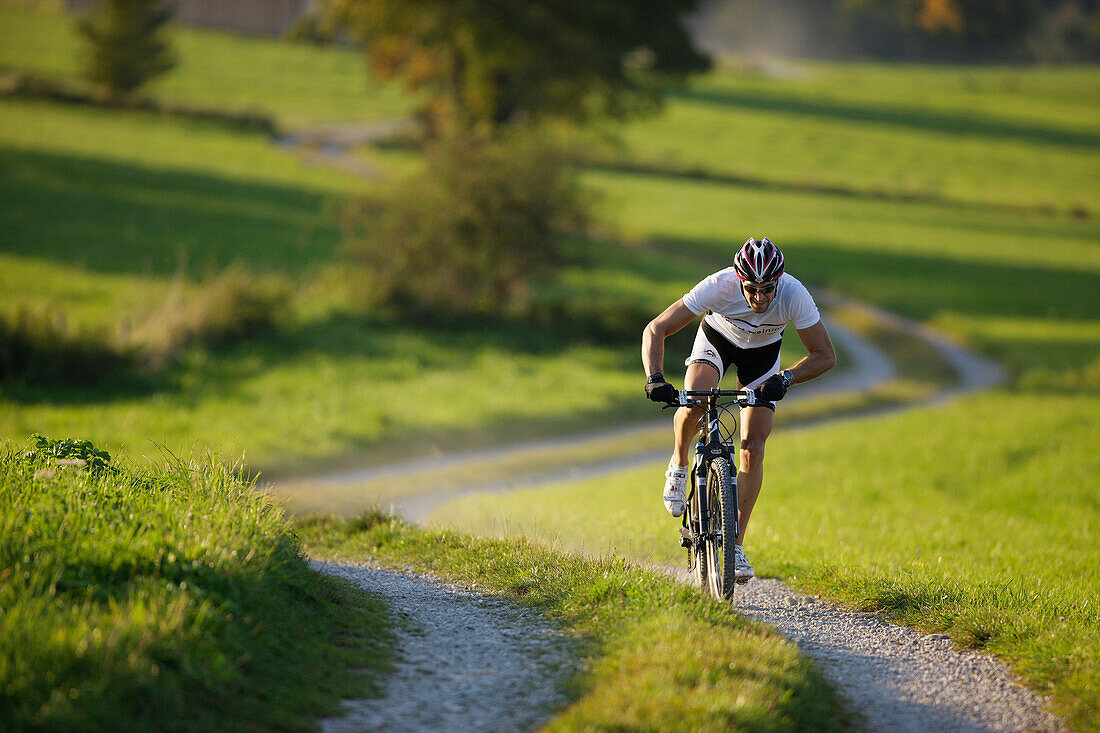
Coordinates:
<point>722,502</point>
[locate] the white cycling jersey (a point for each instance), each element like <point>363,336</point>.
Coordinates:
<point>721,298</point>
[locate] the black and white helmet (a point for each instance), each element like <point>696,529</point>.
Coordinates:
<point>758,262</point>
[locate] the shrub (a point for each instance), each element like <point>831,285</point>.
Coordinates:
<point>40,348</point>
<point>228,306</point>
<point>469,234</point>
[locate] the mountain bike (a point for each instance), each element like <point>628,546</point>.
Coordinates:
<point>710,525</point>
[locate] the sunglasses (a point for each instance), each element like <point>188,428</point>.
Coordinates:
<point>765,289</point>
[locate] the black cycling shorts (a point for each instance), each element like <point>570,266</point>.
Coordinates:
<point>753,365</point>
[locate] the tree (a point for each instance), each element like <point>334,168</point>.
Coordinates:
<point>127,47</point>
<point>492,62</point>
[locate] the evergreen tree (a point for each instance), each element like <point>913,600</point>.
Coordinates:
<point>127,47</point>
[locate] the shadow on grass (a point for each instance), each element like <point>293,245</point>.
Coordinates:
<point>701,174</point>
<point>923,285</point>
<point>112,217</point>
<point>916,119</point>
<point>112,387</point>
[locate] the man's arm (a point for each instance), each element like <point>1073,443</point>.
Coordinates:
<point>675,317</point>
<point>821,357</point>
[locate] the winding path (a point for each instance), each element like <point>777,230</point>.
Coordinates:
<point>456,642</point>
<point>870,368</point>
<point>898,679</point>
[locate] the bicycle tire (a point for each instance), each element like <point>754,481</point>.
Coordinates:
<point>722,496</point>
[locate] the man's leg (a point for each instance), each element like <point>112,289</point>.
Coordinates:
<point>686,423</point>
<point>756,426</point>
<point>685,426</point>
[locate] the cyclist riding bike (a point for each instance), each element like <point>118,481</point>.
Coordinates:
<point>745,310</point>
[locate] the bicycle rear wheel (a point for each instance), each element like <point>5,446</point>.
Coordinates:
<point>722,501</point>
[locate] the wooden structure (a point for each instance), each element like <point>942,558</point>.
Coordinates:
<point>260,17</point>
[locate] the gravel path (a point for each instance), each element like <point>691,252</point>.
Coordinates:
<point>898,679</point>
<point>467,661</point>
<point>869,368</point>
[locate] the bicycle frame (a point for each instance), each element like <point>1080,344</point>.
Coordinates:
<point>707,450</point>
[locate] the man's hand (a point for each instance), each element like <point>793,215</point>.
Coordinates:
<point>658,390</point>
<point>773,389</point>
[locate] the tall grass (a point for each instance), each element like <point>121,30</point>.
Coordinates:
<point>44,349</point>
<point>170,597</point>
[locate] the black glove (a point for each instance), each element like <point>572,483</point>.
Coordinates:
<point>658,390</point>
<point>773,389</point>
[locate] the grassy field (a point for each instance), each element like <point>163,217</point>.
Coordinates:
<point>979,135</point>
<point>167,597</point>
<point>102,210</point>
<point>968,198</point>
<point>655,655</point>
<point>67,251</point>
<point>977,519</point>
<point>298,84</point>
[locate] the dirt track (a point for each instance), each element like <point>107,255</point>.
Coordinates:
<point>896,678</point>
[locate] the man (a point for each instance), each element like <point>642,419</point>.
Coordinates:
<point>746,308</point>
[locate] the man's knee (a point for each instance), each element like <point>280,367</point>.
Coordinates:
<point>752,451</point>
<point>689,417</point>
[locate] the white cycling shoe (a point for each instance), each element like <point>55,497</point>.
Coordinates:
<point>742,571</point>
<point>675,496</point>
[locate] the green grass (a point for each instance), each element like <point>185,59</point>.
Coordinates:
<point>172,596</point>
<point>922,372</point>
<point>961,135</point>
<point>963,197</point>
<point>976,519</point>
<point>101,208</point>
<point>965,270</point>
<point>297,83</point>
<point>97,229</point>
<point>655,654</point>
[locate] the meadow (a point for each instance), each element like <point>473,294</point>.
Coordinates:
<point>967,198</point>
<point>105,212</point>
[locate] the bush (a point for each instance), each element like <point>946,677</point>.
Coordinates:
<point>227,307</point>
<point>40,348</point>
<point>469,234</point>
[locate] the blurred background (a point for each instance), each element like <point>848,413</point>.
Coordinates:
<point>316,233</point>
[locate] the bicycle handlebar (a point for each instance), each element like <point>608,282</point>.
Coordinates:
<point>745,397</point>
